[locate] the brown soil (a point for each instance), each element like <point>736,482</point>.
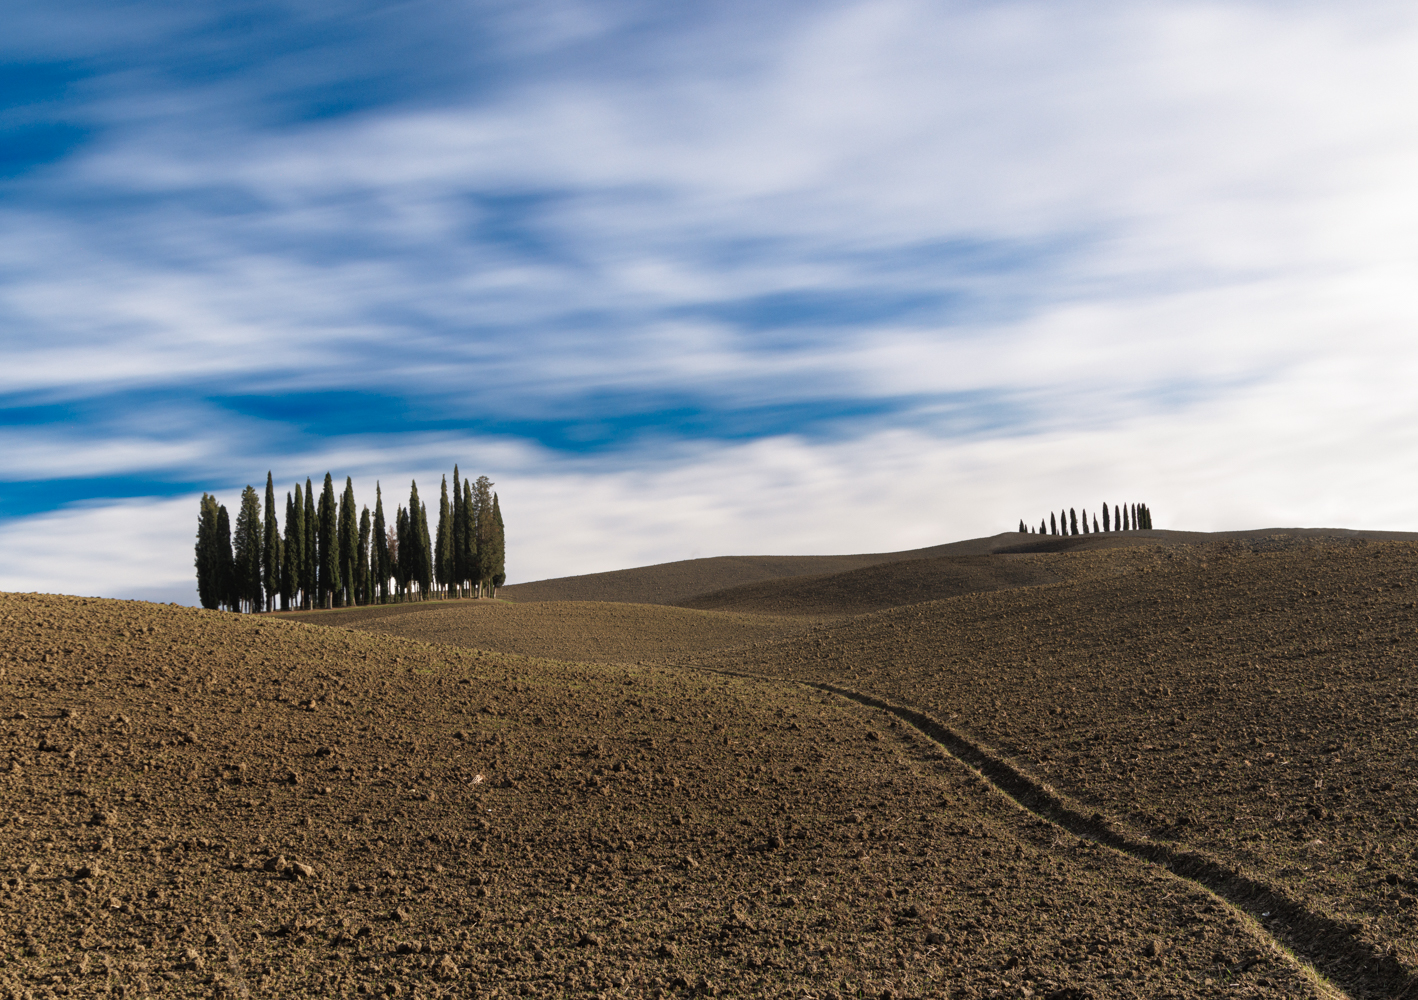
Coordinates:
<point>873,588</point>
<point>412,800</point>
<point>201,804</point>
<point>1252,708</point>
<point>672,583</point>
<point>568,630</point>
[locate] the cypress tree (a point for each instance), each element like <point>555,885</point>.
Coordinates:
<point>456,560</point>
<point>1022,529</point>
<point>1133,519</point>
<point>1095,524</point>
<point>482,512</point>
<point>468,559</point>
<point>379,551</point>
<point>405,551</point>
<point>363,580</point>
<point>209,590</point>
<point>328,554</point>
<point>1105,518</point>
<point>1073,521</point>
<point>1041,526</point>
<point>295,549</point>
<point>311,563</point>
<point>1053,528</point>
<point>1117,519</point>
<point>226,569</point>
<point>443,551</point>
<point>425,555</point>
<point>1084,525</point>
<point>249,543</point>
<point>289,574</point>
<point>499,548</point>
<point>349,543</point>
<point>409,544</point>
<point>271,548</point>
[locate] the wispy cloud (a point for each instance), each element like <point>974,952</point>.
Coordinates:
<point>608,243</point>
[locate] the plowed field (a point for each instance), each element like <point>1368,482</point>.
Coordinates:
<point>800,794</point>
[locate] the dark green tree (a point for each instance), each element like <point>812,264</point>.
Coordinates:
<point>425,565</point>
<point>1042,526</point>
<point>1022,529</point>
<point>271,548</point>
<point>412,551</point>
<point>1053,527</point>
<point>499,548</point>
<point>1095,524</point>
<point>249,542</point>
<point>1105,518</point>
<point>443,550</point>
<point>310,564</point>
<point>290,566</point>
<point>226,565</point>
<point>364,585</point>
<point>349,544</point>
<point>209,586</point>
<point>379,549</point>
<point>482,525</point>
<point>468,552</point>
<point>1117,519</point>
<point>404,549</point>
<point>328,543</point>
<point>456,560</point>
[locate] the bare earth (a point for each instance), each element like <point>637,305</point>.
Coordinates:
<point>1155,768</point>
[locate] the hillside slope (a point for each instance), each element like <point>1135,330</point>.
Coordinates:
<point>681,582</point>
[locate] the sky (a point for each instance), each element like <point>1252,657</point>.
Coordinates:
<point>702,279</point>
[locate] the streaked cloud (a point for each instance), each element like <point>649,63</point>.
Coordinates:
<point>610,244</point>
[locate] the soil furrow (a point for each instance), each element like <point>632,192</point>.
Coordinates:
<point>1326,947</point>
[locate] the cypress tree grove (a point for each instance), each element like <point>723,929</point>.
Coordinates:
<point>271,548</point>
<point>249,542</point>
<point>363,580</point>
<point>379,552</point>
<point>209,590</point>
<point>226,568</point>
<point>328,545</point>
<point>310,563</point>
<point>499,552</point>
<point>443,550</point>
<point>290,565</point>
<point>349,544</point>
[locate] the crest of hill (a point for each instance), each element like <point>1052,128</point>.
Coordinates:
<point>852,584</point>
<point>677,582</point>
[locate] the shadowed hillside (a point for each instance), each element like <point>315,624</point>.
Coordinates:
<point>873,588</point>
<point>684,582</point>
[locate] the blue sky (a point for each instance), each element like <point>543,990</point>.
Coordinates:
<point>700,279</point>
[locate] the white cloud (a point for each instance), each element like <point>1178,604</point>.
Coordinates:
<point>1211,210</point>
